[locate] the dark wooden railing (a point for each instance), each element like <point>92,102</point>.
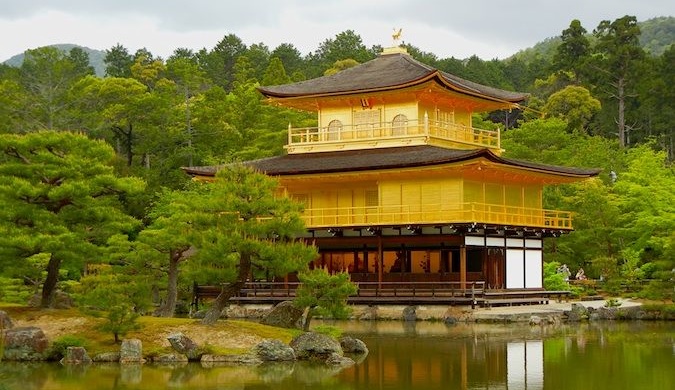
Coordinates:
<point>449,293</point>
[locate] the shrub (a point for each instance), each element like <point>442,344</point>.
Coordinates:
<point>58,348</point>
<point>328,330</point>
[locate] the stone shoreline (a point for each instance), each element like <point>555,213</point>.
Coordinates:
<point>554,312</point>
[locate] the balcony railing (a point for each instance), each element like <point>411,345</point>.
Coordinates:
<point>408,130</point>
<point>437,214</point>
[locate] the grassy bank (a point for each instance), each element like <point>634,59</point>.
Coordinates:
<point>73,327</point>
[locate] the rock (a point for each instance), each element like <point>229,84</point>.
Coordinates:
<point>370,313</point>
<point>107,357</point>
<point>62,300</point>
<point>352,345</point>
<point>5,321</point>
<point>337,360</point>
<point>170,358</point>
<point>274,350</point>
<point>577,313</point>
<point>283,315</point>
<point>450,320</point>
<point>409,314</point>
<point>315,346</point>
<point>215,360</point>
<point>76,355</point>
<point>131,351</point>
<point>25,344</point>
<point>535,320</point>
<point>184,345</point>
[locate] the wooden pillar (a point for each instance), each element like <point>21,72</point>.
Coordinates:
<point>462,266</point>
<point>380,261</point>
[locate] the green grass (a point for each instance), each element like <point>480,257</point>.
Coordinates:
<point>152,333</point>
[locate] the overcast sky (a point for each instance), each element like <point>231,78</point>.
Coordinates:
<point>447,28</point>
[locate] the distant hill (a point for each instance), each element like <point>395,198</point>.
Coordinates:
<point>656,36</point>
<point>95,57</point>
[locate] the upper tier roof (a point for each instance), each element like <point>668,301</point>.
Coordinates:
<point>386,72</point>
<point>386,158</point>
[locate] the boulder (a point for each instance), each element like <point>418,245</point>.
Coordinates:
<point>170,358</point>
<point>131,351</point>
<point>61,300</point>
<point>370,313</point>
<point>5,321</point>
<point>337,360</point>
<point>283,315</point>
<point>535,320</point>
<point>76,355</point>
<point>577,313</point>
<point>274,351</point>
<point>107,357</point>
<point>216,360</point>
<point>315,346</point>
<point>25,344</point>
<point>352,345</point>
<point>410,314</point>
<point>184,345</point>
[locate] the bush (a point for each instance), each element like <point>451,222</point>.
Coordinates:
<point>58,348</point>
<point>328,330</point>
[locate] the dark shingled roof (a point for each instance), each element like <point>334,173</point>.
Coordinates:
<point>384,158</point>
<point>386,72</point>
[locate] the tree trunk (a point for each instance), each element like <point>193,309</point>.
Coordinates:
<point>622,111</point>
<point>229,291</point>
<point>49,286</point>
<point>307,318</point>
<point>169,307</point>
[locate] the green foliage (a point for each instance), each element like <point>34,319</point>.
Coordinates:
<point>58,348</point>
<point>61,200</point>
<point>116,297</point>
<point>328,330</point>
<point>14,290</point>
<point>613,302</point>
<point>553,280</point>
<point>324,293</point>
<point>575,105</point>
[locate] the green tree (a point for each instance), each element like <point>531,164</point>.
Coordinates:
<point>323,293</point>
<point>118,61</point>
<point>340,65</point>
<point>574,50</point>
<point>619,55</point>
<point>60,198</point>
<point>290,58</point>
<point>218,63</point>
<point>574,104</point>
<point>47,74</point>
<point>167,241</point>
<point>275,74</point>
<point>245,227</point>
<point>116,296</point>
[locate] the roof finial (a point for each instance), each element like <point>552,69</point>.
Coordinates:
<point>397,35</point>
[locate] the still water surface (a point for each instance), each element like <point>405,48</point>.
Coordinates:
<point>425,356</point>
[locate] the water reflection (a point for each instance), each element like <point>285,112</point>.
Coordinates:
<point>464,356</point>
<point>414,356</point>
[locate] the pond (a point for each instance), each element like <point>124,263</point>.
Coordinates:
<point>423,355</point>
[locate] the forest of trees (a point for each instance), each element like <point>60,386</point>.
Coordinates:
<point>90,166</point>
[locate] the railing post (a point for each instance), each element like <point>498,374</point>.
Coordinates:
<point>499,138</point>
<point>473,295</point>
<point>289,133</point>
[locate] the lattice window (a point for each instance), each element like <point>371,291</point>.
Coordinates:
<point>399,126</point>
<point>372,198</point>
<point>334,129</point>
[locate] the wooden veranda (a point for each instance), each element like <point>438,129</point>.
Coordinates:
<point>390,293</point>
